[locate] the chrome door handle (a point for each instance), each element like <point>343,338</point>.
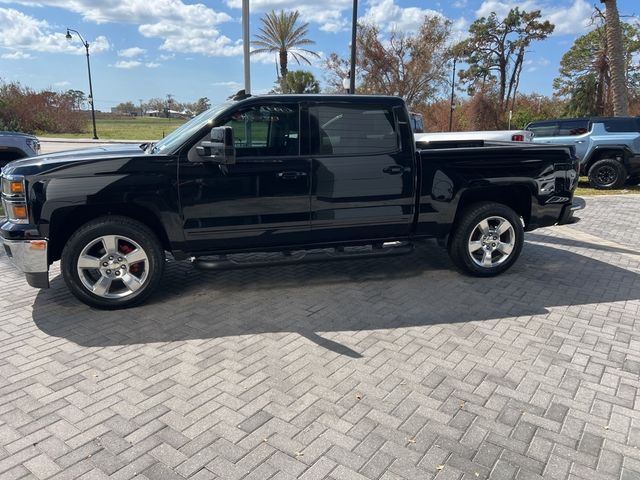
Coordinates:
<point>291,175</point>
<point>393,169</point>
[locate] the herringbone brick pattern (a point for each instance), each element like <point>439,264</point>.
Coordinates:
<point>395,368</point>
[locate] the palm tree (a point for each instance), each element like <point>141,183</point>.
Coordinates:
<point>617,65</point>
<point>280,33</point>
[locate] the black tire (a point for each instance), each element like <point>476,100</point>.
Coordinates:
<point>127,232</point>
<point>468,226</point>
<point>607,173</point>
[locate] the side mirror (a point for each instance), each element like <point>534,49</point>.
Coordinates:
<point>220,148</point>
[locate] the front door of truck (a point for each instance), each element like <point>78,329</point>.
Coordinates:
<point>263,199</point>
<point>363,177</point>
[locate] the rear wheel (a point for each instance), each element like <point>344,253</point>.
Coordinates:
<point>607,173</point>
<point>487,240</point>
<point>112,262</point>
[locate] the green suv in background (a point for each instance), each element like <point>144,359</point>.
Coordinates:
<point>608,147</point>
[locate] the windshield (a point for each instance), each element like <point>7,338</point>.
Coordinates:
<point>183,133</point>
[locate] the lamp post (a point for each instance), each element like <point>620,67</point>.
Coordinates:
<point>86,46</point>
<point>354,26</point>
<point>453,86</point>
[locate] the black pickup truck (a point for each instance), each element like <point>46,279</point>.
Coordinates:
<point>309,176</point>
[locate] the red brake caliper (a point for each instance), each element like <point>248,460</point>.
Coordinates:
<point>135,268</point>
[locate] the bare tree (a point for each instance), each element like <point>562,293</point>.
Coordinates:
<point>410,65</point>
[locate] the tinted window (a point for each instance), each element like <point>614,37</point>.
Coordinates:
<point>549,129</point>
<point>573,127</point>
<point>622,125</point>
<point>266,130</point>
<point>352,130</point>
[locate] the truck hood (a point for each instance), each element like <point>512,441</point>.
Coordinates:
<point>44,163</point>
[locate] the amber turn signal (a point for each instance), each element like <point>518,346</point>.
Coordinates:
<point>19,212</point>
<point>38,245</point>
<point>16,187</point>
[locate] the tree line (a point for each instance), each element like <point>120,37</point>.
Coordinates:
<point>597,76</point>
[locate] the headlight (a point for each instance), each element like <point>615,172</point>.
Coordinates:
<point>14,198</point>
<point>34,144</point>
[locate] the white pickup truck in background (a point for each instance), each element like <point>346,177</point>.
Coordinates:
<point>489,135</point>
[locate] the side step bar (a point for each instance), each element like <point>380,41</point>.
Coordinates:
<point>222,262</point>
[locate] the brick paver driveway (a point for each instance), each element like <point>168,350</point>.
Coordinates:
<point>395,368</point>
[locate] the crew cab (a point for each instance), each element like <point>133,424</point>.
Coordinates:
<point>314,177</point>
<point>608,147</point>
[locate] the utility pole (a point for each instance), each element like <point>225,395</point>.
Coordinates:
<point>354,27</point>
<point>245,45</point>
<point>453,92</point>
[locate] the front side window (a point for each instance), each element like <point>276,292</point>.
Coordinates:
<point>266,130</point>
<point>352,130</point>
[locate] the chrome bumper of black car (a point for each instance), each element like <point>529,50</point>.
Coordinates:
<point>30,257</point>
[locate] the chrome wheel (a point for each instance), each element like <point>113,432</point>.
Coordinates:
<point>491,242</point>
<point>113,266</point>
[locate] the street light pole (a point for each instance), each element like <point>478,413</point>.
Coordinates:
<point>453,86</point>
<point>245,47</point>
<point>354,26</point>
<point>86,46</point>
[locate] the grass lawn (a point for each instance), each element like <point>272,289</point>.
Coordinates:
<point>125,128</point>
<point>584,190</point>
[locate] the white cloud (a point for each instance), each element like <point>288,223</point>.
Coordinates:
<point>127,64</point>
<point>329,16</point>
<point>17,55</point>
<point>230,85</point>
<point>22,33</point>
<point>131,52</point>
<point>63,83</point>
<point>152,65</point>
<point>390,16</point>
<point>181,27</point>
<point>568,19</point>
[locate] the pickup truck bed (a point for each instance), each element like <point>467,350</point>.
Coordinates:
<point>275,173</point>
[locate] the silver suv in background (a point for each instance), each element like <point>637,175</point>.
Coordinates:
<point>608,147</point>
<point>15,145</point>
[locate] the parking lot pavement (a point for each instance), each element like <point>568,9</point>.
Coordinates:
<point>396,368</point>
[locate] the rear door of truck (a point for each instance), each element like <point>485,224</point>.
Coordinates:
<point>363,178</point>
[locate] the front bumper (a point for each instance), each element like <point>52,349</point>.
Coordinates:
<point>30,257</point>
<point>577,204</point>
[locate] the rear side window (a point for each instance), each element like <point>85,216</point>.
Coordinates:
<point>547,129</point>
<point>569,128</point>
<point>352,130</point>
<point>622,125</point>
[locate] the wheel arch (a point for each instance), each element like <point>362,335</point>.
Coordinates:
<point>65,221</point>
<point>618,152</point>
<point>516,197</point>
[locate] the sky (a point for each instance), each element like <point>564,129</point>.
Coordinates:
<point>150,48</point>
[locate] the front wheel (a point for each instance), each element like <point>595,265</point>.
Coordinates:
<point>487,240</point>
<point>607,173</point>
<point>112,262</point>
